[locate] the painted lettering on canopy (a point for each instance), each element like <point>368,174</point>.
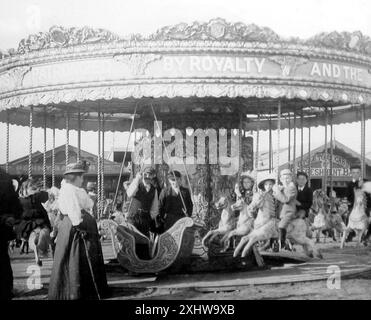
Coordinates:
<point>215,63</point>
<point>332,70</point>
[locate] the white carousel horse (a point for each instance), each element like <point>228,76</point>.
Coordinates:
<point>226,224</point>
<point>296,232</point>
<point>358,220</point>
<point>324,221</point>
<point>245,223</point>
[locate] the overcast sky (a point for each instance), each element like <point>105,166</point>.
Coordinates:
<point>19,18</point>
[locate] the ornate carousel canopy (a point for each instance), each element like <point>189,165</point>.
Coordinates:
<point>199,69</point>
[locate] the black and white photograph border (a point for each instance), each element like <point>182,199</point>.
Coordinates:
<point>185,150</point>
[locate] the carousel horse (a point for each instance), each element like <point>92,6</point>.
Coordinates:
<point>358,220</point>
<point>296,232</point>
<point>245,223</point>
<point>325,222</point>
<point>226,224</point>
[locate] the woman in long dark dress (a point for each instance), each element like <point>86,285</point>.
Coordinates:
<point>10,211</point>
<point>78,268</point>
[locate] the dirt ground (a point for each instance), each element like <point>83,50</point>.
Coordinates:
<point>358,287</point>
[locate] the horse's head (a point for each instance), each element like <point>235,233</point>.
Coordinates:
<point>238,205</point>
<point>359,197</point>
<point>222,203</point>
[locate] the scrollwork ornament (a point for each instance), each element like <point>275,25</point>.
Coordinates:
<point>137,62</point>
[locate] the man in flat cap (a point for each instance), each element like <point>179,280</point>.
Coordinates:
<point>174,202</point>
<point>305,194</point>
<point>144,201</point>
<point>286,194</point>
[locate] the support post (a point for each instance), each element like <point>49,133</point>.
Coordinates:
<point>99,167</point>
<point>67,137</point>
<point>270,144</point>
<point>309,157</point>
<point>278,139</point>
<point>363,142</point>
<point>102,165</point>
<point>7,141</point>
<point>30,144</point>
<point>289,133</point>
<point>53,155</point>
<point>44,155</point>
<point>294,151</point>
<point>331,150</point>
<point>324,185</point>
<point>257,152</point>
<point>301,139</point>
<point>79,135</point>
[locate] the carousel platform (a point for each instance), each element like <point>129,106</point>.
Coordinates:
<point>280,269</point>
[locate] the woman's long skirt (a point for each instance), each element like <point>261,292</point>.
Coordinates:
<point>71,277</point>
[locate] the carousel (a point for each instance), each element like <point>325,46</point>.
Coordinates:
<point>212,86</point>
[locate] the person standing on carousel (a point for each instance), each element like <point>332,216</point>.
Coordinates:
<point>175,201</point>
<point>143,207</point>
<point>78,269</point>
<point>357,183</point>
<point>286,194</point>
<point>305,195</point>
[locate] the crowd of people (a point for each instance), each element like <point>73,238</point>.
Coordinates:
<point>65,219</point>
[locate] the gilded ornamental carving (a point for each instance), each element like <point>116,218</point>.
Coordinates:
<point>288,64</point>
<point>13,78</point>
<point>137,62</point>
<point>58,37</point>
<point>215,30</point>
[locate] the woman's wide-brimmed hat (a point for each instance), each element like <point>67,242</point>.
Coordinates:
<point>266,177</point>
<point>77,168</point>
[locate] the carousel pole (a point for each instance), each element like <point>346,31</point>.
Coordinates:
<point>309,157</point>
<point>53,155</point>
<point>270,143</point>
<point>363,141</point>
<point>7,142</point>
<point>99,166</point>
<point>102,165</point>
<point>294,151</point>
<point>324,186</point>
<point>331,150</point>
<point>30,145</point>
<point>301,139</point>
<point>239,147</point>
<point>289,134</point>
<point>67,137</point>
<point>278,139</point>
<point>123,160</point>
<point>79,135</point>
<point>257,153</point>
<point>44,155</point>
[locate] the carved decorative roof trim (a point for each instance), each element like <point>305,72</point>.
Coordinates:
<point>211,32</point>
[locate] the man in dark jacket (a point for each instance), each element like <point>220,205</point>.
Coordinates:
<point>305,195</point>
<point>10,211</point>
<point>357,183</point>
<point>174,202</point>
